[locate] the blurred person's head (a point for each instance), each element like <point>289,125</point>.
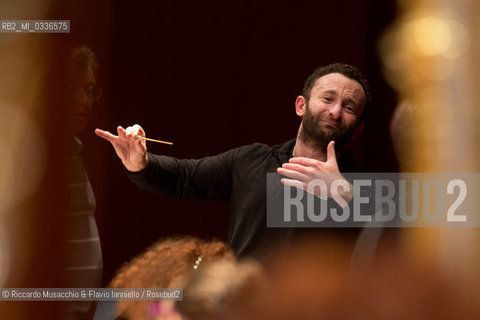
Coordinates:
<point>217,288</point>
<point>82,87</point>
<point>162,266</point>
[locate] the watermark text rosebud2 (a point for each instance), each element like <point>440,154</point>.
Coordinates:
<point>376,199</point>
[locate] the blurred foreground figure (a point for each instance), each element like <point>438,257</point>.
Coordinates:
<point>214,292</point>
<point>313,280</point>
<point>162,266</point>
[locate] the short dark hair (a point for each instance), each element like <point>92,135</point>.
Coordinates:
<point>82,57</point>
<point>348,71</point>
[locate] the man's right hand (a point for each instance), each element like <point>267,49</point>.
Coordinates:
<point>131,150</point>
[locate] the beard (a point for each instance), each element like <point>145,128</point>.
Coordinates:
<point>317,134</point>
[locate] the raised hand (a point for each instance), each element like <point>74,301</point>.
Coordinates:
<point>131,150</point>
<point>303,171</point>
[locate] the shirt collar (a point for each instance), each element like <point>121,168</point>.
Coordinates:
<point>284,151</point>
<point>346,162</point>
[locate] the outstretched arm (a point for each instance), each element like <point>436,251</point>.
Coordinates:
<point>131,150</point>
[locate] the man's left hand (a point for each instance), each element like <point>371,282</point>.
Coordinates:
<point>303,171</point>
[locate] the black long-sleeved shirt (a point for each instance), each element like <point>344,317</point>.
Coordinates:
<point>238,176</point>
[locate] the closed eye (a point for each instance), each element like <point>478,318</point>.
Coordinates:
<point>327,99</point>
<point>349,109</point>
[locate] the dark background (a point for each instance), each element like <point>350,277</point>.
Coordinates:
<point>211,76</point>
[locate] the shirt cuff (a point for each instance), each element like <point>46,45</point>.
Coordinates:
<point>145,172</point>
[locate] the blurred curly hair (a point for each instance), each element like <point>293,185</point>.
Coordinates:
<point>161,266</point>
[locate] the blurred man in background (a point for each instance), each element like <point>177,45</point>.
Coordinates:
<point>82,255</point>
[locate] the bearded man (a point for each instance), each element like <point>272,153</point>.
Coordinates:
<point>332,107</point>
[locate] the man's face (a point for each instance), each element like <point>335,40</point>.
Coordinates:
<point>333,110</point>
<point>80,99</point>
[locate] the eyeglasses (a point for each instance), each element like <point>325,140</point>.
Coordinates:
<point>94,92</point>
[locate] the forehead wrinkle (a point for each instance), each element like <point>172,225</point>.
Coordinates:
<point>349,94</point>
